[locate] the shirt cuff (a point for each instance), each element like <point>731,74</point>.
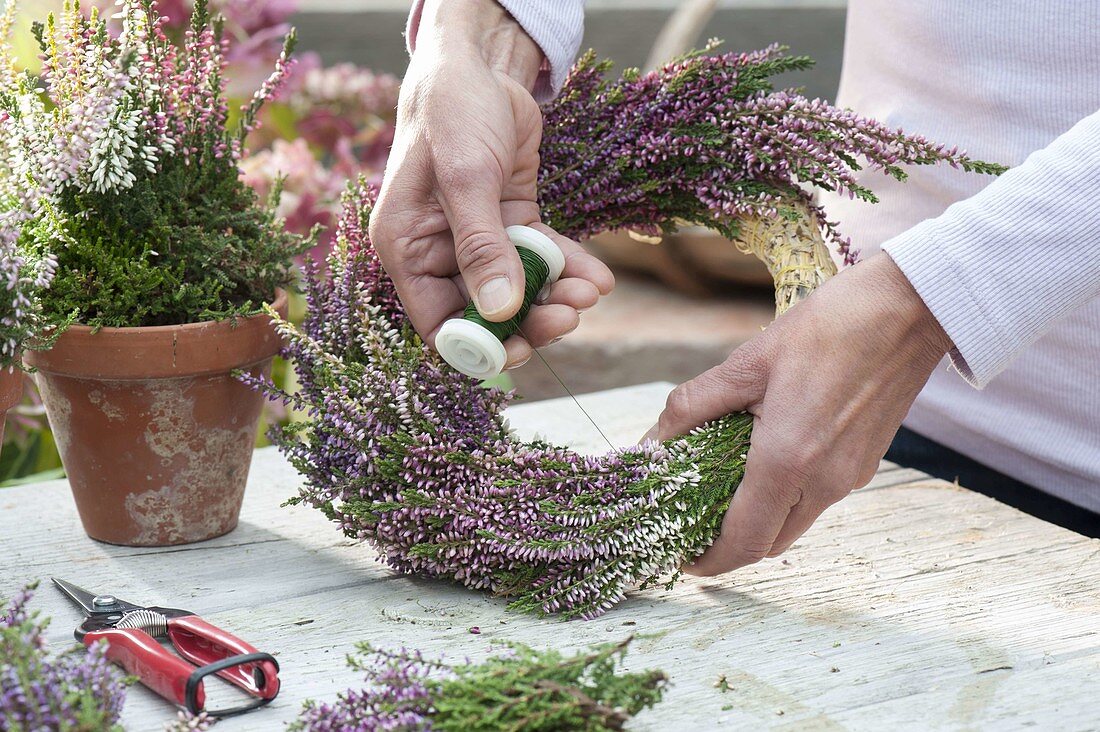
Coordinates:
<point>982,344</point>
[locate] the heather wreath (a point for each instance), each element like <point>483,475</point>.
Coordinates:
<point>125,143</point>
<point>407,454</point>
<point>76,691</point>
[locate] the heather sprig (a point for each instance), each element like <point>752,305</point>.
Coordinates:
<point>407,454</point>
<point>124,143</point>
<point>708,140</point>
<point>522,689</point>
<point>77,691</point>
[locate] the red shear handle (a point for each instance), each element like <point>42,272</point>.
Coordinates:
<point>141,656</point>
<point>202,643</point>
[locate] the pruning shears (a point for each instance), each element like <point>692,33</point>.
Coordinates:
<point>131,632</point>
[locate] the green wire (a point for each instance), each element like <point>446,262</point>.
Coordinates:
<point>535,274</point>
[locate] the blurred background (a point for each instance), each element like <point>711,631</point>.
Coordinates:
<point>681,304</point>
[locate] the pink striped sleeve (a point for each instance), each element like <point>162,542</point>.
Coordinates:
<point>998,269</point>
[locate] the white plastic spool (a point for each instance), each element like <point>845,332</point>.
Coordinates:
<point>472,349</point>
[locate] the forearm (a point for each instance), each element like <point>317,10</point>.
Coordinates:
<point>998,269</point>
<point>554,26</point>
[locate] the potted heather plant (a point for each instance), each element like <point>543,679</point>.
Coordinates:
<point>165,259</point>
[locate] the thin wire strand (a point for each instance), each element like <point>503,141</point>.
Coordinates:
<point>567,390</point>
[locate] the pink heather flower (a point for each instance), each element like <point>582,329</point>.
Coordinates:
<point>344,116</point>
<point>310,194</point>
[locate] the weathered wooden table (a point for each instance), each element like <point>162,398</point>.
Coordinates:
<point>913,604</point>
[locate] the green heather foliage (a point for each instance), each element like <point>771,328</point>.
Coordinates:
<point>189,243</point>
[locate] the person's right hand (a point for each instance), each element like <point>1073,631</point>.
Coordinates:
<point>463,166</point>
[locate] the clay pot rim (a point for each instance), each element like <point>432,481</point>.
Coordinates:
<point>279,304</point>
<point>163,351</point>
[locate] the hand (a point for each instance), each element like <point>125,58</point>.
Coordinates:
<point>463,166</point>
<point>829,383</point>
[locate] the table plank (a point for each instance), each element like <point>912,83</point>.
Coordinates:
<point>938,608</point>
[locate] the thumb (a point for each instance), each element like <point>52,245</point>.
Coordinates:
<point>488,262</point>
<point>727,388</point>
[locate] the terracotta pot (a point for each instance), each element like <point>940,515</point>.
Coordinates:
<point>154,432</point>
<point>11,392</point>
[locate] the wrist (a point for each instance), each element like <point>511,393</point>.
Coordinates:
<point>907,308</point>
<point>480,29</point>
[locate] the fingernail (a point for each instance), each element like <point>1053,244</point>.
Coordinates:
<point>517,365</point>
<point>494,296</point>
<point>563,335</point>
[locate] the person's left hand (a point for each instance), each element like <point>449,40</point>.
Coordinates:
<point>829,383</point>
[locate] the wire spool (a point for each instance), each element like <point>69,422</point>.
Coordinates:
<point>475,346</point>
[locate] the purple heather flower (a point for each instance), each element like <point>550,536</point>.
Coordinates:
<point>707,140</point>
<point>70,692</point>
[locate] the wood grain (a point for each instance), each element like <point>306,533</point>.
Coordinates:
<point>913,604</point>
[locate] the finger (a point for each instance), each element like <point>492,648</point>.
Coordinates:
<point>734,386</point>
<point>800,519</point>
<point>430,302</point>
<point>546,323</point>
<point>518,352</point>
<point>757,513</point>
<point>576,293</point>
<point>579,263</point>
<point>418,263</point>
<point>486,258</point>
<point>832,480</point>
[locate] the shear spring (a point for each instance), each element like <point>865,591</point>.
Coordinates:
<point>151,622</point>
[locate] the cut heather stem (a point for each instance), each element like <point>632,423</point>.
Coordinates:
<point>521,690</point>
